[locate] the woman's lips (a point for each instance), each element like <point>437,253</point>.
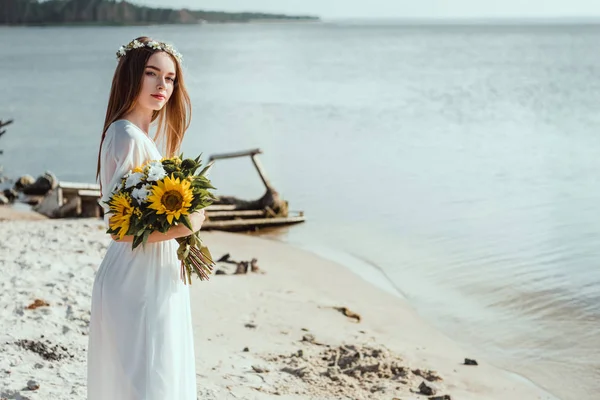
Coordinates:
<point>158,96</point>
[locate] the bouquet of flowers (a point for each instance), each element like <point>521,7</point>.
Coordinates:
<point>157,195</point>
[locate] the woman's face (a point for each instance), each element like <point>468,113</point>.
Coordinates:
<point>158,82</point>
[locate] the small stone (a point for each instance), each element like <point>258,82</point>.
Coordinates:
<point>309,337</point>
<point>36,304</point>
<point>469,361</point>
<point>246,349</point>
<point>378,388</point>
<point>250,326</point>
<point>259,370</point>
<point>444,397</point>
<point>426,389</point>
<point>431,376</point>
<point>33,385</point>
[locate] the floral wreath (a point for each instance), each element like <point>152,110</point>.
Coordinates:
<point>136,44</point>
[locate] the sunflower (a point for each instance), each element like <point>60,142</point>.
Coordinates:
<point>172,197</point>
<point>121,210</point>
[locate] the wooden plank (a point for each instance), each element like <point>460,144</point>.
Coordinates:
<point>89,193</point>
<point>78,185</point>
<point>241,213</point>
<point>221,207</point>
<point>235,154</point>
<point>250,224</point>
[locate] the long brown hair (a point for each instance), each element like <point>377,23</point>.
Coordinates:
<point>172,120</point>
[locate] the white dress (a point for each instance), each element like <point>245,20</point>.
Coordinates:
<point>140,340</point>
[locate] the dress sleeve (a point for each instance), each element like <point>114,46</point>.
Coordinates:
<point>119,154</point>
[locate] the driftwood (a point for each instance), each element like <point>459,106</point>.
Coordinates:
<point>233,214</point>
<point>40,187</point>
<point>242,267</point>
<point>2,125</point>
<point>3,198</point>
<point>271,201</point>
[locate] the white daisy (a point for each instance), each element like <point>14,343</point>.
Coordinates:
<point>141,195</point>
<point>133,179</point>
<point>156,172</point>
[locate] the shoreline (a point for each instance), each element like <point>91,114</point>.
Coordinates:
<point>378,278</point>
<point>144,24</point>
<point>290,306</point>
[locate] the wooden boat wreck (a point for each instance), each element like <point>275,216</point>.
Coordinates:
<point>227,213</point>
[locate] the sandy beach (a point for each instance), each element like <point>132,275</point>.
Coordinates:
<point>299,327</point>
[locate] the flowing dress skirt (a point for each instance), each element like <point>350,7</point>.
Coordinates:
<point>141,340</point>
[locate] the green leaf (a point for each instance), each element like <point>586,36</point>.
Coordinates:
<point>145,237</point>
<point>186,221</point>
<point>137,240</point>
<point>206,253</point>
<point>206,169</point>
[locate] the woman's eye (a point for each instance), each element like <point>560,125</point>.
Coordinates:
<point>150,73</point>
<point>171,79</point>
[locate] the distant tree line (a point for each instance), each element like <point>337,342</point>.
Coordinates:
<point>112,12</point>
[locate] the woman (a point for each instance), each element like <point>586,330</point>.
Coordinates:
<point>141,344</point>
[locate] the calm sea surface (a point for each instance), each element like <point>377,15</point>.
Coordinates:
<point>456,165</point>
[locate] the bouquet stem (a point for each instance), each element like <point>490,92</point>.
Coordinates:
<point>195,258</point>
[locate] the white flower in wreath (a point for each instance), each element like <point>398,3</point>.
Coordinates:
<point>141,194</point>
<point>133,179</point>
<point>156,172</point>
<point>154,44</point>
<point>137,44</point>
<point>121,51</point>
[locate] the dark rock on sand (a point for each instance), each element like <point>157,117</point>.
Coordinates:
<point>33,385</point>
<point>426,390</point>
<point>46,351</point>
<point>431,376</point>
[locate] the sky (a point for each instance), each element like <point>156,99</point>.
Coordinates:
<point>331,9</point>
